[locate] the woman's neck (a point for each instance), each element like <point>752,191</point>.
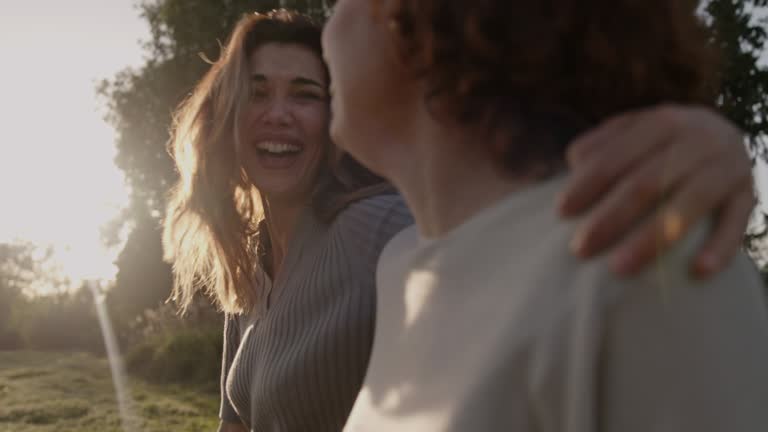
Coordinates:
<point>447,176</point>
<point>282,219</point>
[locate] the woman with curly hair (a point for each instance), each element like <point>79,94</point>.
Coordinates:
<point>484,322</point>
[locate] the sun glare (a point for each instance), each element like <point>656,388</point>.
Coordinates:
<point>58,181</point>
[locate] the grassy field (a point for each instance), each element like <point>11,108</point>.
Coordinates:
<point>42,392</point>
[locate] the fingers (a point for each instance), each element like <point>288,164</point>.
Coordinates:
<point>631,200</point>
<point>612,150</point>
<point>726,240</point>
<point>691,203</point>
<point>640,191</point>
<point>595,139</point>
<point>632,162</point>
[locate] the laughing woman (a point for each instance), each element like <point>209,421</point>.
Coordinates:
<point>285,232</point>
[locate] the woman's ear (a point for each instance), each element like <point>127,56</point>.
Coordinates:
<point>394,18</point>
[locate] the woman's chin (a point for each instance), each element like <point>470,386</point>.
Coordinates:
<point>283,188</point>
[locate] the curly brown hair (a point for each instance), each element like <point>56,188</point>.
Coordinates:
<point>543,71</point>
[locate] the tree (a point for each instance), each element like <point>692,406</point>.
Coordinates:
<point>143,280</point>
<point>15,260</point>
<point>742,39</point>
<point>64,321</point>
<point>21,267</point>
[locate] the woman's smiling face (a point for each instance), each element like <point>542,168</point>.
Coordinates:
<point>283,135</point>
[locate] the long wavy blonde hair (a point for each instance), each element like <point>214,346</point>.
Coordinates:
<point>212,232</point>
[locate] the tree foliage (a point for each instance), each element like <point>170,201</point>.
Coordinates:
<point>738,29</point>
<point>16,263</point>
<point>143,279</point>
<point>64,321</point>
<point>23,270</point>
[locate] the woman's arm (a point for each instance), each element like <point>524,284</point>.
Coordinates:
<point>646,177</point>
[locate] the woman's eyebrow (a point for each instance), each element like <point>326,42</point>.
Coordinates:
<point>307,81</point>
<point>298,81</point>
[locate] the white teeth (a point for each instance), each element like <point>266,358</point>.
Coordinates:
<point>277,147</point>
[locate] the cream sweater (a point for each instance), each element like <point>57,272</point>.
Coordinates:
<point>497,327</point>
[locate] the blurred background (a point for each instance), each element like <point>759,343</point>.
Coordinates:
<point>87,89</point>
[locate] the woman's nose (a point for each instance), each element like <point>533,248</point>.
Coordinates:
<point>277,112</point>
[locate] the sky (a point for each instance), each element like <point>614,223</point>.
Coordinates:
<point>58,182</point>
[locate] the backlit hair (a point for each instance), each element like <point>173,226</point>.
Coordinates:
<point>211,230</point>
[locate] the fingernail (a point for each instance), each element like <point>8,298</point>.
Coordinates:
<point>622,263</point>
<point>579,244</point>
<point>709,263</point>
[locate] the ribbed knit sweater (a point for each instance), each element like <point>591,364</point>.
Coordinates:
<point>298,363</point>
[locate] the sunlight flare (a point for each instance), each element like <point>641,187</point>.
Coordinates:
<point>125,405</point>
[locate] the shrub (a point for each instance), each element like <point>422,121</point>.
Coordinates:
<point>190,356</point>
<point>166,348</point>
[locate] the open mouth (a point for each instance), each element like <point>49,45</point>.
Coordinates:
<point>278,154</point>
<point>277,149</point>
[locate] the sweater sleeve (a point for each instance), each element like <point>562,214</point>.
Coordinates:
<point>660,352</point>
<point>231,342</point>
<point>682,355</point>
<point>368,225</point>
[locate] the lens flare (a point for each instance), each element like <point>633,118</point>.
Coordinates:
<point>128,420</point>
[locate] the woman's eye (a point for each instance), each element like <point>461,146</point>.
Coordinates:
<point>258,94</point>
<point>309,95</point>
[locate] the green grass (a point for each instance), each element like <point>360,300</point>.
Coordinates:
<point>62,392</point>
